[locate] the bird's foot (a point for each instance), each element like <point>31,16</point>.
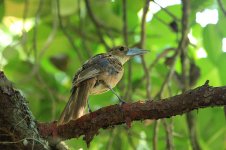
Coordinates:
<point>89,109</point>
<point>121,101</point>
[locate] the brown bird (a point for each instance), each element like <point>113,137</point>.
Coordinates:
<point>99,74</point>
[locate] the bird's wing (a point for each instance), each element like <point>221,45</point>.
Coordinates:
<point>86,74</point>
<point>91,68</point>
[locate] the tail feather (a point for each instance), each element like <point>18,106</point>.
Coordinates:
<point>77,102</point>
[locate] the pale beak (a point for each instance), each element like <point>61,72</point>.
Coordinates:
<point>135,51</point>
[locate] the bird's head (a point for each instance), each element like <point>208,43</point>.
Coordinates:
<point>123,53</point>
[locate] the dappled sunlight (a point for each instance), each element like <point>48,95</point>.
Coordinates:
<point>208,16</point>
<point>201,53</point>
<point>154,7</point>
<point>56,52</point>
<point>5,38</point>
<point>16,25</point>
<point>191,38</point>
<point>167,3</point>
<point>224,44</point>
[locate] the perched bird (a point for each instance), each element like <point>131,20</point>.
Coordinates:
<point>99,74</point>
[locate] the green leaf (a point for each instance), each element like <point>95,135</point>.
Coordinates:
<point>221,68</point>
<point>68,7</point>
<point>16,8</point>
<point>221,24</point>
<point>209,72</point>
<point>107,15</point>
<point>212,42</point>
<point>200,5</point>
<point>10,53</point>
<point>2,9</point>
<point>197,6</point>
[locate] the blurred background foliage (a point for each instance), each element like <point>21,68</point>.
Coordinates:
<point>44,42</point>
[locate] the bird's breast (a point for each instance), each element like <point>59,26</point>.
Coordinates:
<point>111,78</point>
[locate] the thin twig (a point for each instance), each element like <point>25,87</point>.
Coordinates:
<point>148,85</point>
<point>221,6</point>
<point>155,135</point>
<point>130,139</point>
<point>161,55</point>
<point>96,24</point>
<point>141,44</point>
<point>163,22</point>
<point>143,23</point>
<point>53,32</point>
<point>70,40</point>
<point>167,11</point>
<point>22,140</point>
<point>34,44</point>
<point>169,127</point>
<point>160,20</point>
<point>24,33</point>
<point>37,17</point>
<point>169,135</point>
<point>181,45</point>
<point>125,37</point>
<point>130,85</point>
<point>191,122</point>
<point>152,65</point>
<point>183,48</point>
<point>44,85</point>
<point>84,45</point>
<point>112,134</point>
<point>169,75</point>
<point>125,30</point>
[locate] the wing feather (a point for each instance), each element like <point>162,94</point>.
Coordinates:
<point>88,72</point>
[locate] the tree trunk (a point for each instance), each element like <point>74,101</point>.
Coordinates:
<point>17,127</point>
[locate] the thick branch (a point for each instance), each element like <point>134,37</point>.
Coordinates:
<point>17,127</point>
<point>88,125</point>
<point>20,126</point>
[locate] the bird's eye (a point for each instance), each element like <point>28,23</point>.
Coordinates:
<point>121,48</point>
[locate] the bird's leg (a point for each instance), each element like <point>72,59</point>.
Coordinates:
<point>89,109</point>
<point>119,98</point>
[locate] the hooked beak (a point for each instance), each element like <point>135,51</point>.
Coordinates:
<point>136,51</point>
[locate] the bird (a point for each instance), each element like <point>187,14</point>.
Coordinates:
<point>97,75</point>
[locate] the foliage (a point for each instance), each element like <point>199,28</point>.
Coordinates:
<point>41,49</point>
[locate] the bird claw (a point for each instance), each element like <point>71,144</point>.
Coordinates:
<point>89,109</point>
<point>121,102</point>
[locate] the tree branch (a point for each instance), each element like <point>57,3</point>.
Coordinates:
<point>89,124</point>
<point>18,129</point>
<point>221,7</point>
<point>142,44</point>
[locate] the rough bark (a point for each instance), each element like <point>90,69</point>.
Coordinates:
<point>19,130</point>
<point>88,125</point>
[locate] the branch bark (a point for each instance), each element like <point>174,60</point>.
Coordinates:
<point>20,126</point>
<point>89,124</point>
<point>18,129</point>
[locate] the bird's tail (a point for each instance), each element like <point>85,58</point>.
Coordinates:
<point>77,102</point>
